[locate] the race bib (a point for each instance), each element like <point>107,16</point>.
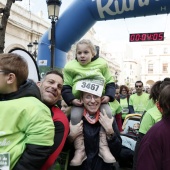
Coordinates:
<point>125,110</point>
<point>4,161</point>
<point>91,86</point>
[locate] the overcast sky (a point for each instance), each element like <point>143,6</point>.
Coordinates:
<point>111,30</point>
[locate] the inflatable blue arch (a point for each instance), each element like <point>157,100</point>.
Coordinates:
<point>82,15</point>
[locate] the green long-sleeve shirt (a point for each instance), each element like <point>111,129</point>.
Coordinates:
<point>24,121</point>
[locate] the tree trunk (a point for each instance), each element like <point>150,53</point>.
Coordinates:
<point>5,16</point>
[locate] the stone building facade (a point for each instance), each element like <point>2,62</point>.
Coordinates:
<point>23,27</point>
<point>155,61</point>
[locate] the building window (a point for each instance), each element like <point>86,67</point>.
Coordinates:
<point>131,66</point>
<point>165,50</point>
<point>165,68</point>
<point>150,50</point>
<point>150,68</point>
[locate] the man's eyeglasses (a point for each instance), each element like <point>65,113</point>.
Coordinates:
<point>138,86</point>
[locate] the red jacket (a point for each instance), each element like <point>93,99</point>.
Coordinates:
<point>61,132</point>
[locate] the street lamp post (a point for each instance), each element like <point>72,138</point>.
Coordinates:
<point>30,45</point>
<point>116,78</point>
<point>53,12</point>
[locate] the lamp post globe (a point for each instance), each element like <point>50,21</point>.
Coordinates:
<point>35,43</point>
<point>30,47</point>
<point>53,8</point>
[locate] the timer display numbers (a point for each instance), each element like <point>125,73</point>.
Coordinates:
<point>138,37</point>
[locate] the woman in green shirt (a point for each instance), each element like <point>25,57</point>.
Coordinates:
<point>123,99</point>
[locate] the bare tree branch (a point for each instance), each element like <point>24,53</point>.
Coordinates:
<point>5,16</point>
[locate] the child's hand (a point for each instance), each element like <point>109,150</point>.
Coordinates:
<point>105,99</point>
<point>77,102</point>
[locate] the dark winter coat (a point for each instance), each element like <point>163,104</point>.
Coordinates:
<point>91,138</point>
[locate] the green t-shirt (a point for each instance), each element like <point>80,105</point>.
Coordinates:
<point>24,121</point>
<point>139,103</point>
<point>124,106</point>
<point>115,107</point>
<point>97,70</point>
<point>150,104</point>
<point>151,117</point>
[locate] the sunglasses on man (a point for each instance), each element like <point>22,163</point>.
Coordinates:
<point>138,86</point>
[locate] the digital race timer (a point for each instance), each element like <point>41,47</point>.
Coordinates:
<point>156,36</point>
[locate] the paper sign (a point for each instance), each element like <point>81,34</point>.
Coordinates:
<point>91,86</point>
<point>4,161</point>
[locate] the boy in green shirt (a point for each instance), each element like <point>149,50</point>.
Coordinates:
<point>26,127</point>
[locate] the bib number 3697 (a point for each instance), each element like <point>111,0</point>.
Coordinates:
<point>90,86</point>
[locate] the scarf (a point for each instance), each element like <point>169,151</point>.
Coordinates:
<point>92,119</point>
<point>123,96</point>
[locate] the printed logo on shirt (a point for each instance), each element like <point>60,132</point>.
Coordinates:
<point>5,142</point>
<point>2,133</point>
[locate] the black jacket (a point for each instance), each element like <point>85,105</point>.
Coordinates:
<point>91,138</point>
<point>29,88</point>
